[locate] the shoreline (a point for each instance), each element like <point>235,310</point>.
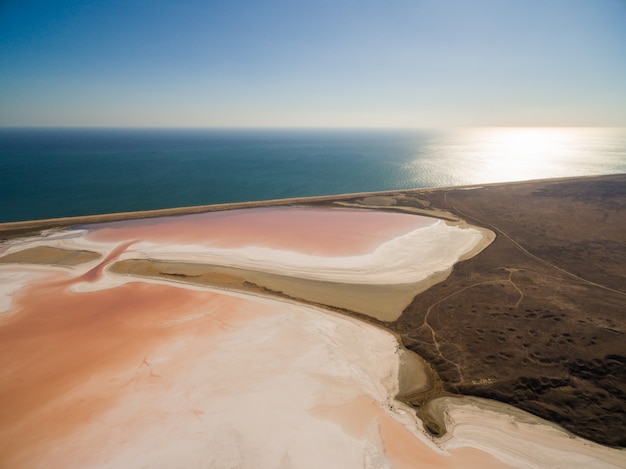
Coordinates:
<point>17,228</point>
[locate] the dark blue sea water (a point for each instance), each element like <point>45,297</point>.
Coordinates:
<point>47,173</point>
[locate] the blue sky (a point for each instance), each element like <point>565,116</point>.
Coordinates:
<point>319,63</point>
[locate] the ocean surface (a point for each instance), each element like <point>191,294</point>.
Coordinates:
<point>48,173</point>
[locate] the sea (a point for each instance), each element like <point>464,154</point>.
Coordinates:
<point>62,172</point>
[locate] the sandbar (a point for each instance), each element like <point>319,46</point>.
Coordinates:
<point>48,255</point>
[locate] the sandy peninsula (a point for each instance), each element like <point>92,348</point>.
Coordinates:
<point>293,315</point>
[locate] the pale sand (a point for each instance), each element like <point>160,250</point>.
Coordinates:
<point>389,204</point>
<point>517,437</point>
<point>413,377</point>
<point>410,258</point>
<point>49,255</point>
<point>383,302</point>
<point>14,278</point>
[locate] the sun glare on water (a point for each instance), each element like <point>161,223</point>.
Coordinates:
<point>526,153</point>
<point>501,154</point>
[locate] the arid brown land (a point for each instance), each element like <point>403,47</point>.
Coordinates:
<point>538,319</point>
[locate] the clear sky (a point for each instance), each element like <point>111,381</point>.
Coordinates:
<point>314,63</point>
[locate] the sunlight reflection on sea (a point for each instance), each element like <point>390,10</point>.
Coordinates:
<point>49,173</point>
<point>488,155</point>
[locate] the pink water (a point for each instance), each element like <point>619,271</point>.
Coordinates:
<point>84,377</point>
<point>69,360</point>
<point>314,231</point>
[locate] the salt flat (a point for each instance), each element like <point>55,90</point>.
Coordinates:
<point>104,370</point>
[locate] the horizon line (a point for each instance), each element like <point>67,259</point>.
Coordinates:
<point>199,127</point>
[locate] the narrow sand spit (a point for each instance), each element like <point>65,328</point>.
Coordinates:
<point>384,302</point>
<point>103,370</point>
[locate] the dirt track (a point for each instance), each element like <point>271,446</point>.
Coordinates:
<point>538,319</point>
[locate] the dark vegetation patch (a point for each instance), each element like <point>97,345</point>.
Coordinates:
<point>538,319</point>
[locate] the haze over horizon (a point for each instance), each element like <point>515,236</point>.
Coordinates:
<point>276,63</point>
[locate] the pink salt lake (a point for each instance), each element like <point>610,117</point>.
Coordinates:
<point>143,374</point>
<point>323,232</point>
